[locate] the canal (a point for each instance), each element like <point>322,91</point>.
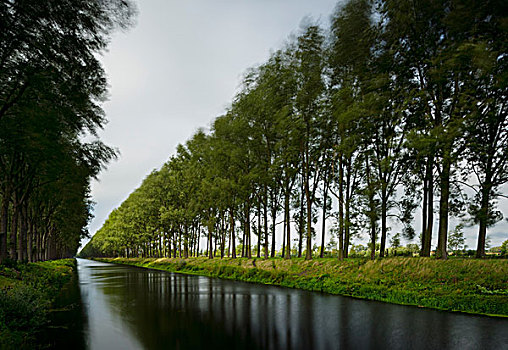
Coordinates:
<point>122,307</point>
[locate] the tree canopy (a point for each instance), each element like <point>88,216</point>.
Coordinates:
<point>52,86</point>
<point>397,103</point>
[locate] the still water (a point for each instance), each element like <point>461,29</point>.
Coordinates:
<point>123,307</point>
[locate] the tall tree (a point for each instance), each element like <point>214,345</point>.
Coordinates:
<point>309,98</point>
<point>350,56</point>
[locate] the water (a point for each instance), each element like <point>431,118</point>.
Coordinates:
<point>131,308</point>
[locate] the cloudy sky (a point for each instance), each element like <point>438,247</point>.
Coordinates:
<point>177,70</point>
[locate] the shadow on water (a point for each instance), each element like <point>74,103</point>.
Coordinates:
<point>67,320</point>
<point>133,308</point>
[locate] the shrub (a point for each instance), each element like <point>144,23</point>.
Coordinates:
<point>23,311</point>
<point>22,308</point>
<point>26,298</point>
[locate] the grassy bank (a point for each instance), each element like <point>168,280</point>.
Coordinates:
<point>465,285</point>
<point>26,294</point>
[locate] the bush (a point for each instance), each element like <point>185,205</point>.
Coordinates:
<point>26,298</point>
<point>23,311</point>
<point>22,308</point>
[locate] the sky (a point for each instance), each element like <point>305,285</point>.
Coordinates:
<point>178,69</point>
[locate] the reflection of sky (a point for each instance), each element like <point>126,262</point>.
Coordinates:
<point>178,69</point>
<point>133,308</point>
<point>106,329</point>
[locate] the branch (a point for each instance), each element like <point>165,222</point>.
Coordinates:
<point>468,185</point>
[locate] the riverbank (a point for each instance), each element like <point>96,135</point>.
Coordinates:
<point>26,294</point>
<point>464,285</point>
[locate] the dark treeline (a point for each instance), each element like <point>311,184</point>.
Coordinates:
<point>52,86</point>
<point>397,108</point>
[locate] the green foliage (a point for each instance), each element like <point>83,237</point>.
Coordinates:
<point>484,290</point>
<point>180,265</point>
<point>22,308</point>
<point>504,248</point>
<point>456,239</point>
<point>52,86</point>
<point>25,299</point>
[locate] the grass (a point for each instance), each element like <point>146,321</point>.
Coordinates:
<point>26,294</point>
<point>464,285</point>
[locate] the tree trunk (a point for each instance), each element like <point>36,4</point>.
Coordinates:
<point>180,242</point>
<point>4,224</point>
<point>341,209</point>
<point>194,241</point>
<point>243,240</point>
<point>169,240</point>
<point>347,230</point>
<point>265,224</point>
<point>441,252</point>
<point>216,238</point>
<point>301,218</point>
<point>42,245</point>
<point>347,214</point>
<point>186,242</point>
<point>30,242</point>
<point>23,228</point>
<point>323,226</point>
<point>484,216</point>
<point>424,215</point>
<point>274,218</point>
<point>384,209</point>
<point>223,234</point>
<point>430,217</point>
<point>308,255</point>
<point>210,238</point>
<point>258,255</point>
<point>372,210</point>
<point>38,246</point>
<point>284,237</point>
<point>288,225</point>
<point>372,237</point>
<point>14,232</point>
<point>198,236</point>
<point>232,233</point>
<point>247,230</point>
<point>427,237</point>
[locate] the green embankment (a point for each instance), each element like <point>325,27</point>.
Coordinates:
<point>26,294</point>
<point>465,285</point>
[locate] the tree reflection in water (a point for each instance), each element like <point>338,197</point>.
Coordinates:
<point>137,308</point>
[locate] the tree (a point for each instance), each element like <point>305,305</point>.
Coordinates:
<point>456,239</point>
<point>52,87</point>
<point>504,248</point>
<point>308,105</point>
<point>430,47</point>
<point>487,134</point>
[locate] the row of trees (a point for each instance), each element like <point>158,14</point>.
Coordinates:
<point>51,89</point>
<point>398,103</point>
